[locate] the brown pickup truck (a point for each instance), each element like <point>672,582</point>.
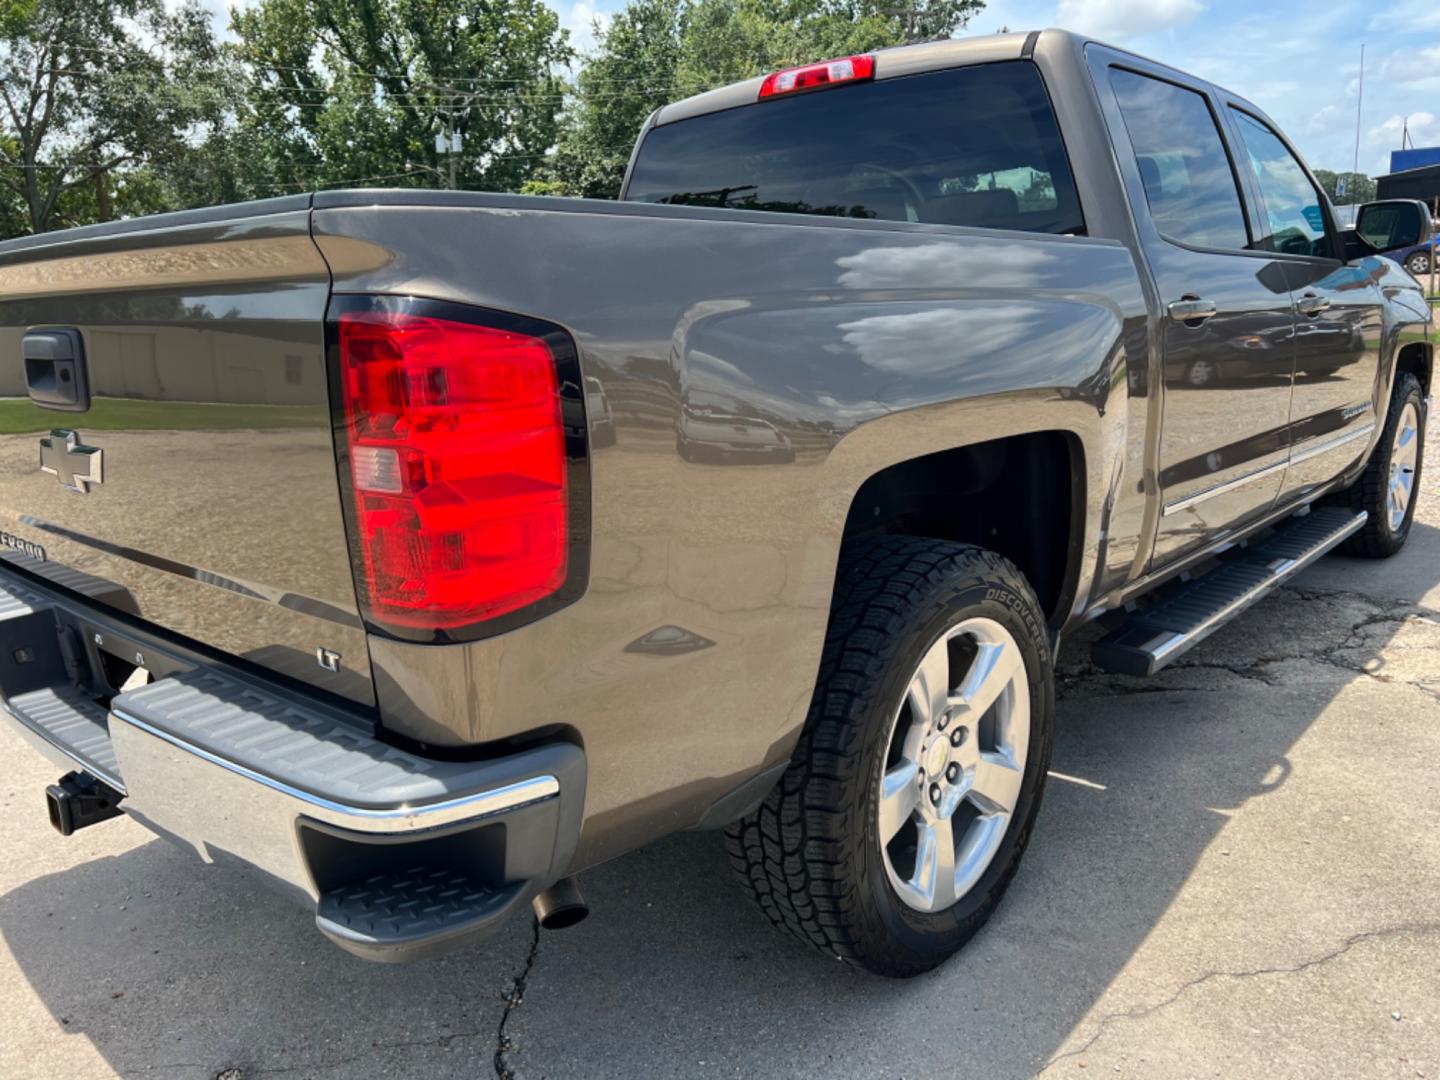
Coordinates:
<point>421,550</point>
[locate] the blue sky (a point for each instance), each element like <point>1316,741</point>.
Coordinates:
<point>1298,61</point>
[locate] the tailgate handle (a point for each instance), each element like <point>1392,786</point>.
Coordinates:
<point>55,373</point>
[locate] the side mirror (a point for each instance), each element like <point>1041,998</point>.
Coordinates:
<point>1393,224</point>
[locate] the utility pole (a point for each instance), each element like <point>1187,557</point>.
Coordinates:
<point>1359,104</point>
<point>454,144</point>
<point>448,142</point>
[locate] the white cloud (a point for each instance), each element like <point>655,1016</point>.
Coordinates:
<point>1407,13</point>
<point>1327,120</point>
<point>1121,20</point>
<point>580,19</point>
<point>1424,129</point>
<point>1412,66</point>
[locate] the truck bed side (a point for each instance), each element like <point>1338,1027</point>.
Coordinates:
<point>829,350</point>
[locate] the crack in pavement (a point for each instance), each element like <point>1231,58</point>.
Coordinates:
<point>503,1045</point>
<point>1142,1012</point>
<point>504,1069</point>
<point>1396,612</point>
<point>247,1071</point>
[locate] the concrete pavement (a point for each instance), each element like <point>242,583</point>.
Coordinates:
<point>1236,873</point>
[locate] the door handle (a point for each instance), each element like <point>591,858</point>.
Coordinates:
<point>1312,305</point>
<point>1191,310</point>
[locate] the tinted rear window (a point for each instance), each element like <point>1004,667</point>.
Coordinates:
<point>969,146</point>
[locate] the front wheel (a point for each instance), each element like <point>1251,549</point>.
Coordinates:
<point>1418,264</point>
<point>910,796</point>
<point>1388,488</point>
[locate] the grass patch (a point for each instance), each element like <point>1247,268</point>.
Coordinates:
<point>20,415</point>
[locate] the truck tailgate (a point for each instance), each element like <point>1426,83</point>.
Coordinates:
<point>213,510</point>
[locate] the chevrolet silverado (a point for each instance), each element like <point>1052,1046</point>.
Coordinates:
<point>420,550</point>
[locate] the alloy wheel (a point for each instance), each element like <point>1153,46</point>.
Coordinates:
<point>954,765</point>
<point>1403,457</point>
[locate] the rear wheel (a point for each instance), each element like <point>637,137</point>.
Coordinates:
<point>1388,488</point>
<point>1419,263</point>
<point>911,794</point>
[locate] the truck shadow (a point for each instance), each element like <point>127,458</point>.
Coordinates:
<point>165,969</point>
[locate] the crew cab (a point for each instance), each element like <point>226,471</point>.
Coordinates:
<point>421,550</point>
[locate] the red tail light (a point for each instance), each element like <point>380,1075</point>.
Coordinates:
<point>847,69</point>
<point>459,468</point>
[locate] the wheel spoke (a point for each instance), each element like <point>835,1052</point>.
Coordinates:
<point>930,688</point>
<point>996,787</point>
<point>934,876</point>
<point>899,796</point>
<point>994,667</point>
<point>1404,444</point>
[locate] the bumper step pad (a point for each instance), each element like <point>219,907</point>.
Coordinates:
<point>1152,638</point>
<point>395,913</point>
<point>67,719</point>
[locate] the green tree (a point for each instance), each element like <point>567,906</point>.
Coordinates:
<point>632,73</point>
<point>90,89</point>
<point>1359,188</point>
<point>657,51</point>
<point>342,91</point>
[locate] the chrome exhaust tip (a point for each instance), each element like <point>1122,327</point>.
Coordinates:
<point>560,905</point>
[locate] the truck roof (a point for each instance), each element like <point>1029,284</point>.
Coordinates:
<point>901,60</point>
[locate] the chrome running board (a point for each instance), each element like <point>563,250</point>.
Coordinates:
<point>1155,636</point>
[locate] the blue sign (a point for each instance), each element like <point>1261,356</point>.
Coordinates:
<point>1418,158</point>
<point>1314,218</point>
<point>1340,188</point>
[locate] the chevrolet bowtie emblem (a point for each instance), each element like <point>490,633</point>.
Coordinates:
<point>77,466</point>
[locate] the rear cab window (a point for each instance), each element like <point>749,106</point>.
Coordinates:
<point>976,146</point>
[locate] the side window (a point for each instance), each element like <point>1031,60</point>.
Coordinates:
<point>1294,214</point>
<point>1182,160</point>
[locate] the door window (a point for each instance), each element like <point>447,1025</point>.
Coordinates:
<point>1294,210</point>
<point>1186,172</point>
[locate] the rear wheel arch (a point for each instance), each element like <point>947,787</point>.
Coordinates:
<point>1022,496</point>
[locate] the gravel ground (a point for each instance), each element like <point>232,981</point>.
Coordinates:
<point>1235,874</point>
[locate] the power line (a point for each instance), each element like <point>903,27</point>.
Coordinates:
<point>274,95</point>
<point>350,69</point>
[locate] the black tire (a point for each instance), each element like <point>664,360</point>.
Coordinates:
<point>1418,264</point>
<point>1370,492</point>
<point>810,856</point>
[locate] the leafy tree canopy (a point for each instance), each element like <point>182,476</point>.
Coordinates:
<point>92,87</point>
<point>1359,188</point>
<point>349,91</point>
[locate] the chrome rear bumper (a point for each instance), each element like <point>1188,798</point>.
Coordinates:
<point>402,855</point>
